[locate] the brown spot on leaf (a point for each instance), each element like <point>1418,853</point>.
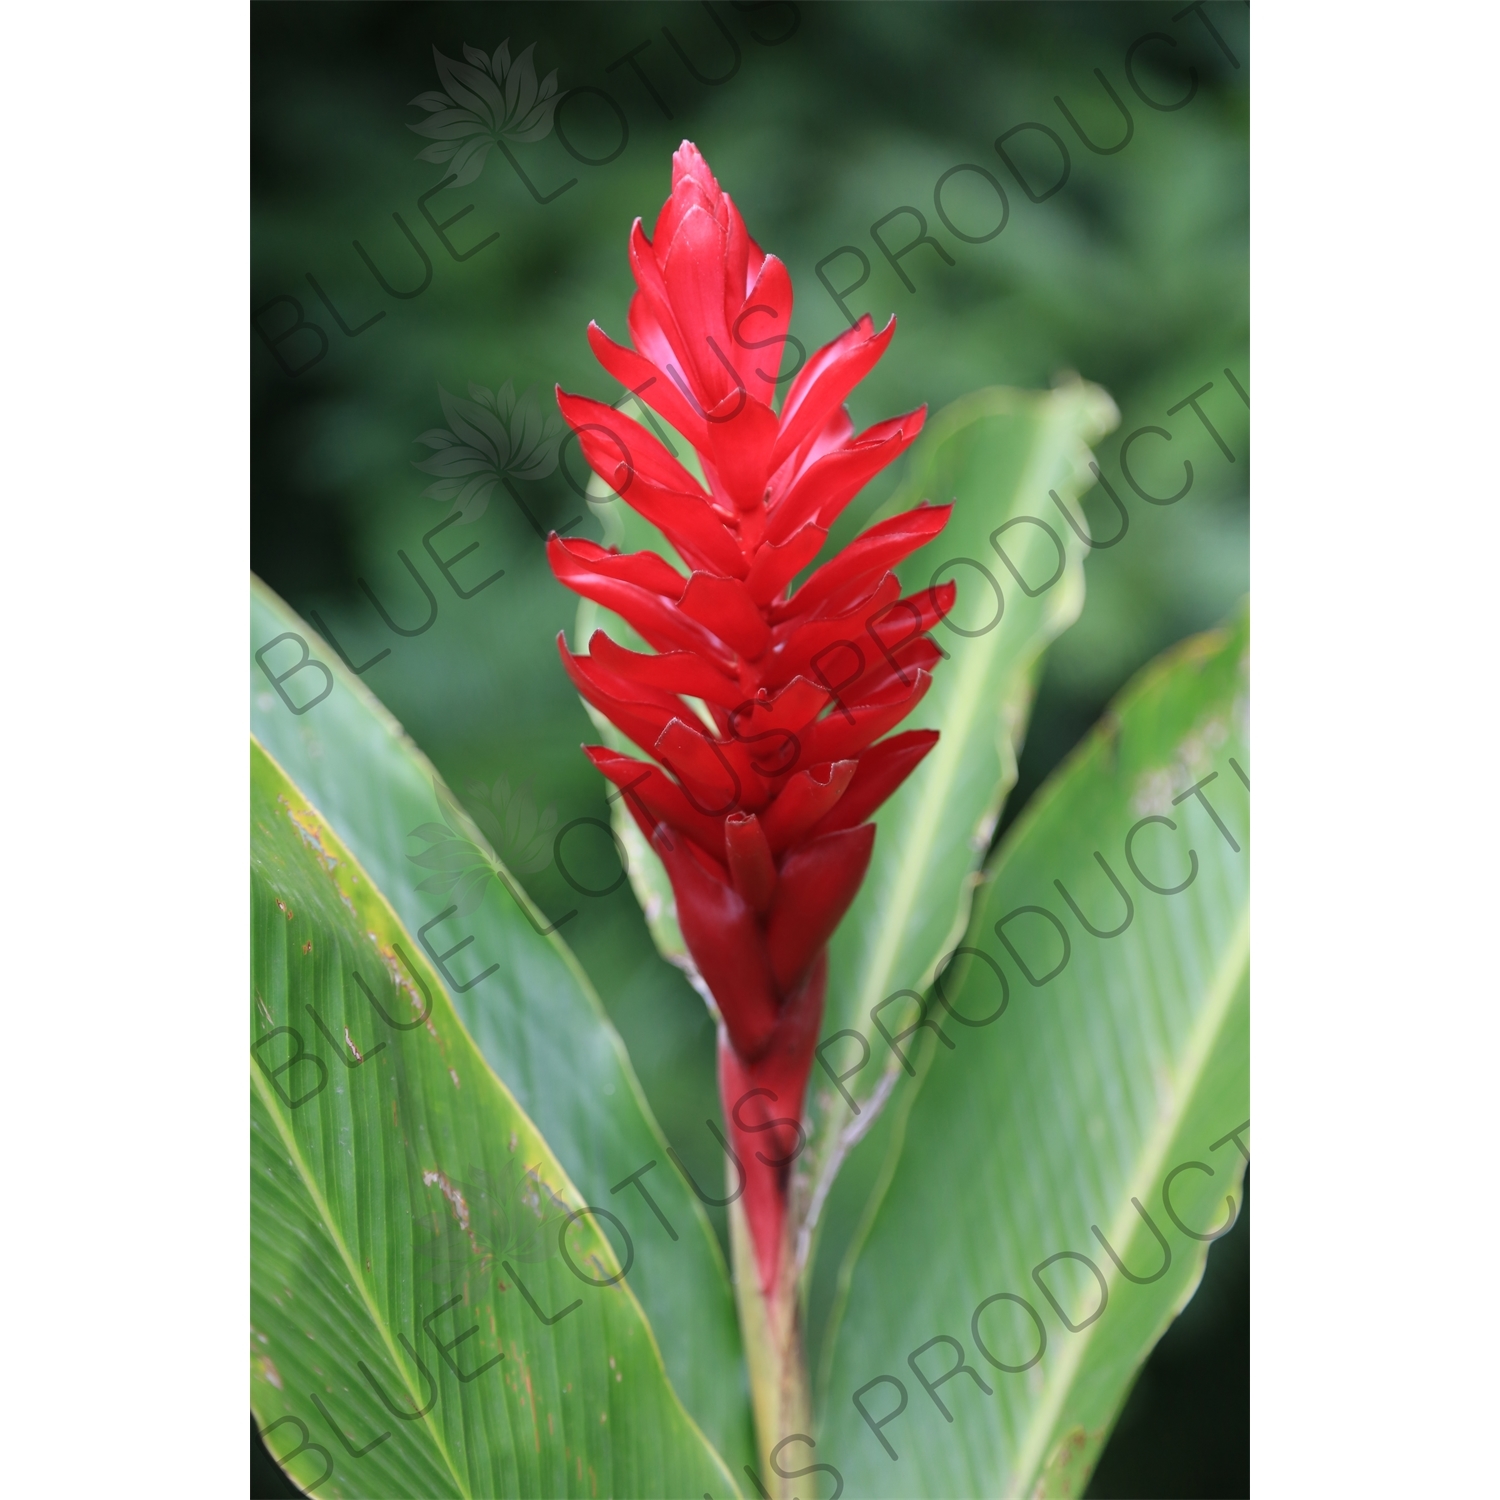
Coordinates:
<point>456,1202</point>
<point>1069,1465</point>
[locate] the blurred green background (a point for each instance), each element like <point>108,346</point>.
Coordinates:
<point>1135,274</point>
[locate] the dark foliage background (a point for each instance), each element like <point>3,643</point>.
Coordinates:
<point>1135,274</point>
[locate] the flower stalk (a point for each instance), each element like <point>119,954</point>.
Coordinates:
<point>775,1353</point>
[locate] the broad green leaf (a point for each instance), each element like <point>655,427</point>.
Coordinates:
<point>998,455</point>
<point>521,995</point>
<point>434,1311</point>
<point>1106,1073</point>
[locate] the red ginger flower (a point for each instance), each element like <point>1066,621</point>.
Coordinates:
<point>761,823</point>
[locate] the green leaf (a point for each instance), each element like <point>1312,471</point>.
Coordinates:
<point>533,1014</point>
<point>394,1183</point>
<point>1060,1105</point>
<point>996,454</point>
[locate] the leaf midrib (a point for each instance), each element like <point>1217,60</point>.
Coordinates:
<point>963,704</point>
<point>834,1144</point>
<point>325,1215</point>
<point>950,748</point>
<point>1189,1074</point>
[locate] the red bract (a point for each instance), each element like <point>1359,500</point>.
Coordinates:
<point>757,805</point>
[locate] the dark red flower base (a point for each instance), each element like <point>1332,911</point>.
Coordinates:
<point>763,1104</point>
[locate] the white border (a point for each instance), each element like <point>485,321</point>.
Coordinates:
<point>126,392</point>
<point>1373,556</point>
